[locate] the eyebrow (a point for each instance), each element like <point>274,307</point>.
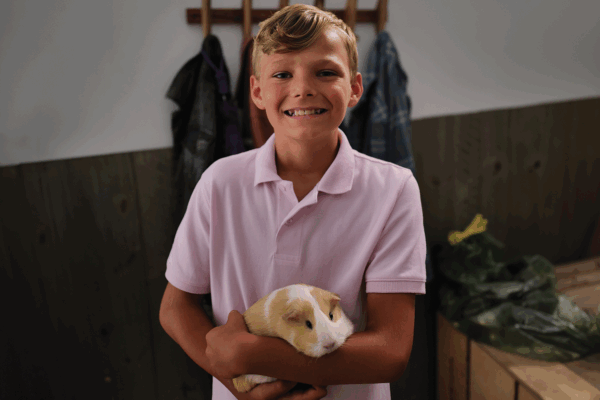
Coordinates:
<point>322,61</point>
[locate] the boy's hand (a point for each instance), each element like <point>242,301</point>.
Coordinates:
<point>305,392</point>
<point>279,390</point>
<point>225,345</point>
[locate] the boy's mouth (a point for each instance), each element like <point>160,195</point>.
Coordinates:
<point>302,112</point>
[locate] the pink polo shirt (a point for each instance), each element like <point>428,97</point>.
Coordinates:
<point>244,234</point>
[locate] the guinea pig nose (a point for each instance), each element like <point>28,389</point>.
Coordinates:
<point>329,346</point>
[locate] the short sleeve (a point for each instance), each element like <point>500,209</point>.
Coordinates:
<point>188,264</point>
<point>398,261</point>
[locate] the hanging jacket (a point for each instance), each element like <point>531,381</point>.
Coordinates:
<point>379,125</point>
<point>206,125</point>
<point>255,123</point>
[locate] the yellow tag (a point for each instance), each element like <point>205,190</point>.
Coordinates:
<point>476,226</point>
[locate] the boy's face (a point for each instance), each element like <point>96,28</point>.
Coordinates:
<point>316,78</point>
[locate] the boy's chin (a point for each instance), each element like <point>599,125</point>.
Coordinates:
<point>306,132</point>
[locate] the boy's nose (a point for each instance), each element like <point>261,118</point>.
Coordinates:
<point>303,88</point>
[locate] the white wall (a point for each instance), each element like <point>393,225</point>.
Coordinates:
<point>80,78</point>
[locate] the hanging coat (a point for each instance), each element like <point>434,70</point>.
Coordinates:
<point>206,125</point>
<point>255,123</point>
<point>379,125</point>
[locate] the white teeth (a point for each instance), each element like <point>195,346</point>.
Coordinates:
<point>298,113</point>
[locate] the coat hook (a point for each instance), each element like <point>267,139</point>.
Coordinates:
<point>382,14</point>
<point>247,19</point>
<point>350,13</point>
<point>319,4</point>
<point>206,17</point>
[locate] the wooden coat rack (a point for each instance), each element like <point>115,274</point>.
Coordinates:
<point>247,16</point>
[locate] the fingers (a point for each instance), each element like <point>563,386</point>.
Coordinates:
<point>271,390</point>
<point>313,393</point>
<point>235,319</point>
<point>234,315</point>
<point>320,392</point>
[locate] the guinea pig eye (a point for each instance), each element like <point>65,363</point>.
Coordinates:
<point>308,324</point>
<point>331,315</point>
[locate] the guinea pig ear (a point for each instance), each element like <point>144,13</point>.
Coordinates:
<point>293,313</point>
<point>334,300</point>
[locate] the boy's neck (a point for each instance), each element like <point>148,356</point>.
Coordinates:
<point>305,160</point>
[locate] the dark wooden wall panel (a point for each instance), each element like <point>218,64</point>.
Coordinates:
<point>88,324</point>
<point>533,172</point>
<point>25,330</point>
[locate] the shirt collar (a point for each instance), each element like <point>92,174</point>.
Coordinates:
<point>337,179</point>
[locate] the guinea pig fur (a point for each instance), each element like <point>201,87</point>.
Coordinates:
<point>307,317</point>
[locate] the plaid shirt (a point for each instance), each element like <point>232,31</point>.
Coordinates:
<point>379,125</point>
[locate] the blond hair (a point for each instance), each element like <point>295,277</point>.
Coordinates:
<point>297,27</point>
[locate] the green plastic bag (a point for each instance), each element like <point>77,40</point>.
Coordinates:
<point>512,305</point>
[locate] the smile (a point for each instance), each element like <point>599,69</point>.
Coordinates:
<point>300,113</point>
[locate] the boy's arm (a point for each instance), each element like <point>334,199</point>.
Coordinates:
<point>379,354</point>
<point>184,320</point>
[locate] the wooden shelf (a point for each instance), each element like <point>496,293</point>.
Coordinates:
<point>236,15</point>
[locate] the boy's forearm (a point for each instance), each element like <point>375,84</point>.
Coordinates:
<point>188,324</point>
<point>190,333</point>
<point>364,358</point>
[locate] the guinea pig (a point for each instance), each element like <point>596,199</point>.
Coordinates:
<point>307,317</point>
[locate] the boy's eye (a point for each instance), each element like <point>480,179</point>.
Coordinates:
<point>281,75</point>
<point>327,73</point>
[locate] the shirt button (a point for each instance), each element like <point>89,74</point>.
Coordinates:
<point>289,221</point>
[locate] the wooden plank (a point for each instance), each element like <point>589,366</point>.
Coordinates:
<point>178,377</point>
<point>495,171</point>
<point>586,297</point>
<point>23,375</point>
<point>524,393</point>
<point>587,178</point>
<point>488,379</point>
<point>93,277</point>
<point>594,248</point>
<point>579,280</point>
<point>550,380</point>
<point>9,367</point>
<point>453,359</point>
<point>125,333</point>
<point>588,368</point>
<point>579,274</point>
<point>433,153</point>
<point>564,271</point>
<point>11,186</point>
<point>571,126</point>
<point>527,155</point>
<point>467,167</point>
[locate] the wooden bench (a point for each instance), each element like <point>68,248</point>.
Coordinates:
<point>468,370</point>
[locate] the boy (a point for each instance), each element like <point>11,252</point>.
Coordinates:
<point>303,208</point>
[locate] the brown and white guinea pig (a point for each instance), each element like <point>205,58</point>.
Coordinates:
<point>307,317</point>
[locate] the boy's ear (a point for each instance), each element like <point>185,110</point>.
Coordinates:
<point>255,92</point>
<point>357,90</point>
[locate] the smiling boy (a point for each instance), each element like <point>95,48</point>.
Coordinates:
<point>303,208</point>
<point>305,94</point>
